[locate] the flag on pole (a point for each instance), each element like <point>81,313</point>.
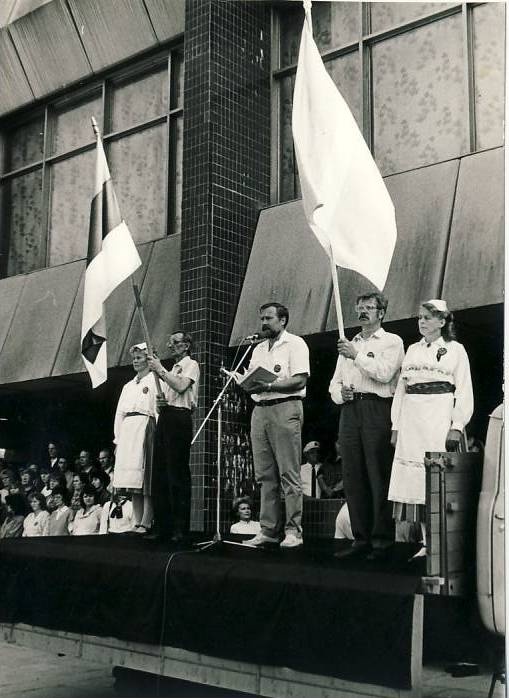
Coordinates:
<point>112,257</point>
<point>345,200</point>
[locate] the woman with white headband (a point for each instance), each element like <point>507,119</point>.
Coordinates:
<point>135,421</point>
<point>432,405</point>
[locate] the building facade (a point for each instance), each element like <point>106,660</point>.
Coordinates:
<point>194,102</point>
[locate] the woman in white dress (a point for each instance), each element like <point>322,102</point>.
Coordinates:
<point>432,405</point>
<point>135,421</point>
<point>36,523</point>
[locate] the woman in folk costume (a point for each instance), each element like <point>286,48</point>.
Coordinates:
<point>432,405</point>
<point>135,422</point>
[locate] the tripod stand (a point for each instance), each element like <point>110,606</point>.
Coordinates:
<point>217,404</point>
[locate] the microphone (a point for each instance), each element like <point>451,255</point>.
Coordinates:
<point>253,337</point>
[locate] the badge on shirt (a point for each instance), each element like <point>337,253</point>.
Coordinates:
<point>177,370</point>
<point>145,390</point>
<point>370,354</point>
<point>277,368</point>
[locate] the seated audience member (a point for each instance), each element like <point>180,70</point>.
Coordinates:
<point>88,517</point>
<point>52,456</point>
<point>68,474</point>
<point>242,507</point>
<point>61,516</point>
<point>12,526</point>
<point>56,479</point>
<point>310,469</point>
<point>6,479</point>
<point>330,476</point>
<point>100,480</point>
<point>27,482</point>
<point>35,471</point>
<point>107,463</point>
<point>343,525</point>
<point>85,462</point>
<point>117,515</point>
<point>78,483</point>
<point>36,523</point>
<point>45,489</point>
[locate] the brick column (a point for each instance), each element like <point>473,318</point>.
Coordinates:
<point>226,179</point>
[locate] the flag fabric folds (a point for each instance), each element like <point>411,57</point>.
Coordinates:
<point>344,196</point>
<point>112,257</point>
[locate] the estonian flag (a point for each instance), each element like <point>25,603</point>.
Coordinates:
<point>112,257</point>
<point>345,199</point>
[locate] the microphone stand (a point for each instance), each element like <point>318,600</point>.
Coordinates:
<point>217,404</point>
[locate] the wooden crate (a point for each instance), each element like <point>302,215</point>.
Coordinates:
<point>452,495</point>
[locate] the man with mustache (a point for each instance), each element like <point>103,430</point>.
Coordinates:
<point>276,425</point>
<point>363,384</point>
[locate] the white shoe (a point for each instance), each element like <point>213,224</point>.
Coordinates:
<point>291,541</point>
<point>260,540</point>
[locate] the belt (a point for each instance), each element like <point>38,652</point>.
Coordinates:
<point>432,388</point>
<point>136,414</point>
<point>369,396</point>
<point>277,401</point>
<point>174,407</point>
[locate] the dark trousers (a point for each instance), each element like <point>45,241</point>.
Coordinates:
<point>364,437</point>
<point>171,479</point>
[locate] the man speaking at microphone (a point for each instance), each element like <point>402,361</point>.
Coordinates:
<point>276,425</point>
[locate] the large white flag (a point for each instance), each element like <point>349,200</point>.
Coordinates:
<point>345,199</point>
<point>112,257</point>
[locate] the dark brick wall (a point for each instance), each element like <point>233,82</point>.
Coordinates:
<point>226,179</point>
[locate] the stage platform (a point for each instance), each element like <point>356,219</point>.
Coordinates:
<point>275,623</point>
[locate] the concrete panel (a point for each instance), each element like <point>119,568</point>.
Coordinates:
<point>167,17</point>
<point>160,297</point>
<point>10,292</point>
<point>41,315</point>
<point>14,88</point>
<point>474,275</point>
<point>49,48</point>
<point>119,310</point>
<point>423,200</point>
<point>112,31</point>
<point>288,265</point>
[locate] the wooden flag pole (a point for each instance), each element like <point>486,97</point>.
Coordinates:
<point>148,342</point>
<point>337,297</point>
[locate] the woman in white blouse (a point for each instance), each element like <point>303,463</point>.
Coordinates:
<point>88,518</point>
<point>135,421</point>
<point>36,523</point>
<point>432,405</point>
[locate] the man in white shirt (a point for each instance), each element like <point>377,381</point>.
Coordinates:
<point>309,470</point>
<point>276,425</point>
<point>171,495</point>
<point>363,384</point>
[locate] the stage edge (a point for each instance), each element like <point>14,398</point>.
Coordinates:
<point>270,681</point>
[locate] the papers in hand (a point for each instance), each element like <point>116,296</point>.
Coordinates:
<point>253,375</point>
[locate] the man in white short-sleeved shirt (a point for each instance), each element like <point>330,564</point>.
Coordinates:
<point>276,426</point>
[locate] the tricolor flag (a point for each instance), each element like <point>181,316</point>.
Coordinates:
<point>345,199</point>
<point>112,257</point>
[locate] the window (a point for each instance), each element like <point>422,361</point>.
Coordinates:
<point>47,177</point>
<point>425,81</point>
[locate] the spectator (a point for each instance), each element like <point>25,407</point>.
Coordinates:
<point>52,456</point>
<point>61,517</point>
<point>88,517</point>
<point>63,466</point>
<point>78,483</point>
<point>242,507</point>
<point>34,469</point>
<point>27,483</point>
<point>117,515</point>
<point>56,479</point>
<point>310,469</point>
<point>107,463</point>
<point>330,475</point>
<point>45,489</point>
<point>12,526</point>
<point>7,479</point>
<point>85,462</point>
<point>36,523</point>
<point>100,480</point>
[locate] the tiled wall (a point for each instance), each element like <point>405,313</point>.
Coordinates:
<point>226,180</point>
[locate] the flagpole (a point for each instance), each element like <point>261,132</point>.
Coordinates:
<point>337,298</point>
<point>137,297</point>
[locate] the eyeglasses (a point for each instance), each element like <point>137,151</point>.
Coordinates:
<point>368,308</point>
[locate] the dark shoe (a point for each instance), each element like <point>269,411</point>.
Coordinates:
<point>357,549</point>
<point>379,553</point>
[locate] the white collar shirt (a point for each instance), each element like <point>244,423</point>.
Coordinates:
<point>186,368</point>
<point>288,356</point>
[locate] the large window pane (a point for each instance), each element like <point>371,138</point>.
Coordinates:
<point>73,126</point>
<point>140,100</point>
<point>72,188</point>
<point>390,14</point>
<point>25,229</point>
<point>26,144</point>
<point>288,188</point>
<point>418,96</point>
<point>138,170</point>
<point>177,68</point>
<point>179,145</point>
<point>346,74</point>
<point>489,51</point>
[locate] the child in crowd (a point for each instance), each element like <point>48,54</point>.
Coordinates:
<point>117,515</point>
<point>36,523</point>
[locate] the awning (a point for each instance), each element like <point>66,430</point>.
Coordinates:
<point>40,315</point>
<point>450,244</point>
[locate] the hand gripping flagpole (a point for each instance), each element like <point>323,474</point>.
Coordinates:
<point>137,298</point>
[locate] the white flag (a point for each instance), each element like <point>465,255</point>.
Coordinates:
<point>346,202</point>
<point>112,257</point>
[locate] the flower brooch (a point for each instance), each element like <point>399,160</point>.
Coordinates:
<point>441,352</point>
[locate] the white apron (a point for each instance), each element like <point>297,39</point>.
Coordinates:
<point>130,456</point>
